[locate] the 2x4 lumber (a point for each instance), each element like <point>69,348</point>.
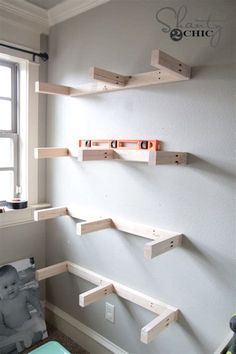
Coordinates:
<point>52,89</point>
<point>51,271</point>
<point>108,76</point>
<point>94,295</point>
<point>167,157</point>
<point>165,61</point>
<point>169,70</point>
<point>163,240</point>
<point>50,213</point>
<point>153,328</point>
<point>94,154</point>
<point>49,152</point>
<point>91,226</point>
<point>138,80</point>
<point>167,314</point>
<point>151,157</point>
<point>140,229</point>
<point>161,245</point>
<point>123,291</point>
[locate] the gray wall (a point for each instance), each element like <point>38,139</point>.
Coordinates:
<point>197,200</point>
<point>23,241</point>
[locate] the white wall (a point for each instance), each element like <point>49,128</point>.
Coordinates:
<point>198,200</point>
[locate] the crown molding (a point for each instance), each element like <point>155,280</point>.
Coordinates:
<point>39,20</point>
<point>71,8</point>
<point>32,15</point>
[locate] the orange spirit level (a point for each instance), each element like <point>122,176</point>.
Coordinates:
<point>153,145</point>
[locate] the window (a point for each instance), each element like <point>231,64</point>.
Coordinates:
<point>9,130</point>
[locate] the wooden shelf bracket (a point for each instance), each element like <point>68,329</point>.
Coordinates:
<point>83,154</point>
<point>166,314</point>
<point>161,240</point>
<point>169,70</point>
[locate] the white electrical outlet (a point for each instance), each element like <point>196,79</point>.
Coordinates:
<point>110,312</point>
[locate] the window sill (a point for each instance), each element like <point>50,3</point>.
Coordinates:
<point>20,216</point>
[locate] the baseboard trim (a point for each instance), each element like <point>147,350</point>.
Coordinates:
<point>92,341</point>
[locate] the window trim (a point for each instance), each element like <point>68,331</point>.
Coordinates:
<point>28,115</point>
<point>13,133</point>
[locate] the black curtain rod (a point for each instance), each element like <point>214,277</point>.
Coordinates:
<point>43,56</point>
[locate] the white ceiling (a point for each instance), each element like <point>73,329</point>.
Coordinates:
<point>45,4</point>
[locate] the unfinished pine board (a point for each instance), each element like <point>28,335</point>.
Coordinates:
<point>94,154</point>
<point>169,64</point>
<point>108,76</point>
<point>162,240</point>
<point>166,314</point>
<point>95,294</point>
<point>52,89</point>
<point>153,328</point>
<point>162,245</point>
<point>49,152</point>
<point>91,226</point>
<point>167,157</point>
<point>51,271</point>
<point>169,70</point>
<point>50,213</point>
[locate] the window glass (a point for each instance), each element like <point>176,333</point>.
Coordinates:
<point>5,81</point>
<point>6,185</point>
<point>5,115</point>
<point>6,152</point>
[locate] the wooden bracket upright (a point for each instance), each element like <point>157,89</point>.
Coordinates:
<point>169,70</point>
<point>166,314</point>
<point>162,240</point>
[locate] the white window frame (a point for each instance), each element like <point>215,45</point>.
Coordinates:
<point>28,140</point>
<point>13,133</point>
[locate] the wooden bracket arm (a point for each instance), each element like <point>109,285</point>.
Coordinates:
<point>49,152</point>
<point>91,226</point>
<point>108,76</point>
<point>94,154</point>
<point>153,328</point>
<point>162,240</point>
<point>50,213</point>
<point>86,154</point>
<point>95,294</point>
<point>165,62</point>
<point>167,314</point>
<point>169,70</point>
<point>52,89</point>
<point>161,245</point>
<point>167,157</point>
<point>51,271</point>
